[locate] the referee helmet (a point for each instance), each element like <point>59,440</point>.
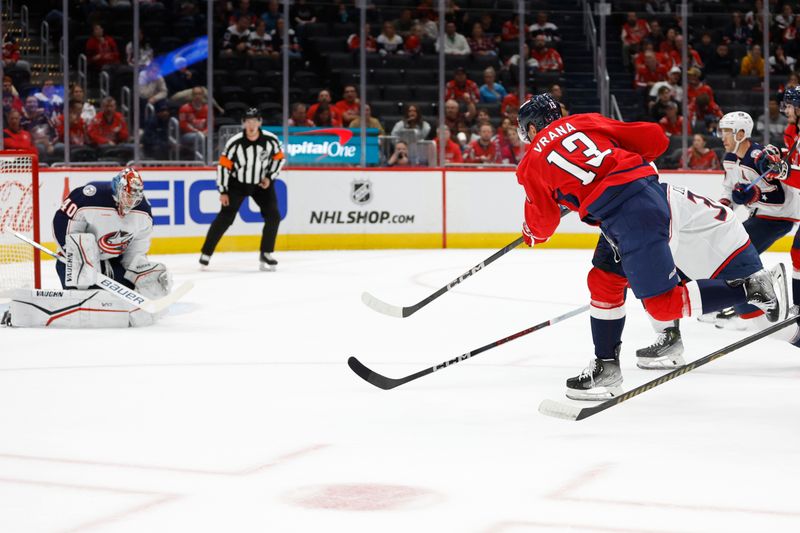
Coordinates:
<point>251,113</point>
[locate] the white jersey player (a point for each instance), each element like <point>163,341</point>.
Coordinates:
<point>103,227</point>
<point>774,206</point>
<point>707,242</point>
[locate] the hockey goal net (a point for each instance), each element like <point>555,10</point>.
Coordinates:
<point>19,212</point>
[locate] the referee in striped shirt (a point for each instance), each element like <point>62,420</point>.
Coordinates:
<point>251,161</point>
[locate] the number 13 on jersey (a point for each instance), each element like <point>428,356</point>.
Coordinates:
<point>570,144</point>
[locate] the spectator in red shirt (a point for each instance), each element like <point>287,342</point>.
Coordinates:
<point>677,56</point>
<point>704,113</point>
<point>108,128</point>
<point>452,152</point>
<point>511,147</point>
<point>461,88</point>
<point>479,43</point>
<point>298,117</point>
<point>77,127</point>
<point>456,121</point>
<point>14,137</point>
<point>697,87</point>
<point>101,49</point>
<point>667,46</point>
<point>11,55</point>
<point>510,30</point>
<point>663,59</point>
<point>700,157</point>
<point>354,41</point>
<point>671,123</point>
<point>548,58</point>
<point>323,116</point>
<point>484,149</point>
<point>324,97</point>
<point>648,75</point>
<point>634,31</point>
<point>193,117</point>
<point>348,107</point>
<point>11,99</point>
<point>510,104</point>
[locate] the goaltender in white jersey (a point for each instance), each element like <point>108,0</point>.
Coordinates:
<point>103,227</point>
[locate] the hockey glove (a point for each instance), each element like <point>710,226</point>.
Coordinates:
<point>526,234</point>
<point>770,159</point>
<point>744,197</point>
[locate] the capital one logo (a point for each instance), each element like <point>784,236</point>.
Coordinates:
<point>337,148</point>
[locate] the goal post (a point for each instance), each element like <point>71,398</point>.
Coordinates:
<point>20,263</point>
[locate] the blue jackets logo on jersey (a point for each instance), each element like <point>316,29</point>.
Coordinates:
<point>115,243</point>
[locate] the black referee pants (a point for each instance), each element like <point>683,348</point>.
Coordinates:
<point>267,201</point>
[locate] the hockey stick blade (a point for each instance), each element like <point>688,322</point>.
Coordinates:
<point>571,412</point>
<point>403,312</point>
<point>380,306</point>
<point>154,306</point>
<point>386,383</point>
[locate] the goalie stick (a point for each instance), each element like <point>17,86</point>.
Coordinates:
<point>118,289</point>
<point>382,382</point>
<point>572,412</point>
<point>376,304</point>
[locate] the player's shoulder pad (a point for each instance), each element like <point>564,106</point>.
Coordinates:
<point>749,158</point>
<point>94,194</point>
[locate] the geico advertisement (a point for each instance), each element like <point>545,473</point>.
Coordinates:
<point>352,201</point>
<point>185,202</point>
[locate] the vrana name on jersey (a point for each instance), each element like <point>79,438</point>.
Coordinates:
<point>555,133</point>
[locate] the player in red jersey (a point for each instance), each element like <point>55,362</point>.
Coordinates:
<point>790,106</point>
<point>600,168</point>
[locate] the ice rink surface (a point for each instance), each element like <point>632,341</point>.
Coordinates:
<point>238,413</point>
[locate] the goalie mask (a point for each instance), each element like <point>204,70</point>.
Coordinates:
<point>128,190</point>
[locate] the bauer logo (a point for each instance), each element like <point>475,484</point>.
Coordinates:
<point>361,192</point>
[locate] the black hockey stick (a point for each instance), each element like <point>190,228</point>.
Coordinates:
<point>382,382</point>
<point>397,311</point>
<point>572,412</point>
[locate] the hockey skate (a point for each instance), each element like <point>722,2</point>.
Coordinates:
<point>267,263</point>
<point>601,380</point>
<point>204,260</point>
<point>665,353</point>
<point>768,290</point>
<point>729,319</point>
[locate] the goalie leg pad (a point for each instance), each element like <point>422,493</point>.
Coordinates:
<point>82,258</point>
<point>76,309</point>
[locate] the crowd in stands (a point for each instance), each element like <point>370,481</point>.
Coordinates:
<point>170,89</point>
<point>475,109</point>
<point>721,58</point>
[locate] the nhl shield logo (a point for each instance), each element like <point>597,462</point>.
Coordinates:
<point>361,192</point>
